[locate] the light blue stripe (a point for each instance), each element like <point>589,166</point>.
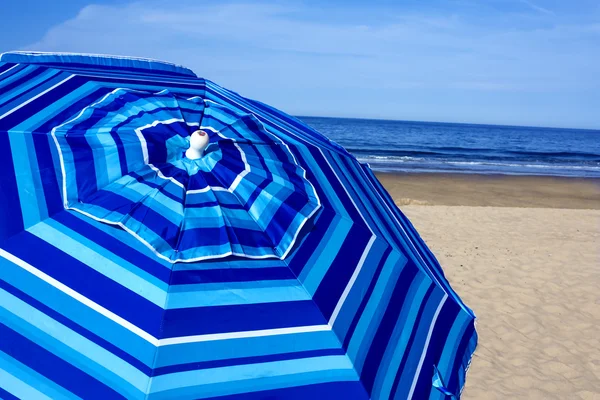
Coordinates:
<point>238,375</point>
<point>356,188</point>
<point>135,191</point>
<point>199,287</point>
<point>100,263</point>
<point>246,347</point>
<point>72,191</point>
<point>324,183</point>
<point>374,311</point>
<point>76,311</point>
<point>323,257</point>
<point>26,184</point>
<point>104,154</point>
<point>124,237</point>
<point>230,264</point>
<point>409,373</point>
<point>71,347</point>
<point>359,289</point>
<point>446,362</point>
<point>27,85</point>
<point>7,80</point>
<point>35,380</point>
<point>37,179</point>
<point>231,296</point>
<point>392,356</point>
<point>385,283</point>
<point>401,348</point>
<point>154,86</point>
<point>18,388</point>
<point>258,384</point>
<point>31,123</point>
<point>93,246</point>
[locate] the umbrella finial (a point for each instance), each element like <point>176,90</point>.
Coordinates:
<point>198,142</point>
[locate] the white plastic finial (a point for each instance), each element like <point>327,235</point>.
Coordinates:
<point>198,142</point>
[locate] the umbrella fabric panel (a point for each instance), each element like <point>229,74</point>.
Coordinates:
<point>106,62</point>
<point>377,314</point>
<point>172,203</point>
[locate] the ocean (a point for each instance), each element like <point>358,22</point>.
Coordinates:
<point>407,146</point>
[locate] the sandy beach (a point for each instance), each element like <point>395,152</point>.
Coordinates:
<point>524,253</point>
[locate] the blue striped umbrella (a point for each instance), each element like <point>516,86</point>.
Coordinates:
<point>270,265</point>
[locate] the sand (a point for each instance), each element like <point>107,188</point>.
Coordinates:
<point>490,190</point>
<point>532,276</point>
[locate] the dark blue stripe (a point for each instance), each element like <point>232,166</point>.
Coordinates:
<point>155,85</point>
<point>34,88</point>
<point>376,209</point>
<point>149,76</point>
<point>247,360</point>
<point>10,209</point>
<point>170,232</point>
<point>152,148</point>
<point>37,105</point>
<point>86,281</point>
<point>231,275</point>
<point>444,323</point>
<point>239,318</point>
<point>110,243</point>
<point>76,327</point>
<point>4,395</point>
<point>158,135</point>
<point>32,74</point>
<point>366,297</point>
<point>86,67</point>
<point>363,198</point>
<point>386,327</point>
<point>50,185</point>
<point>72,109</point>
<point>332,172</point>
<point>341,269</point>
<point>220,236</point>
<point>53,367</point>
<point>83,157</point>
<point>298,259</point>
<point>313,234</point>
<point>453,382</point>
<point>411,340</point>
<point>285,214</point>
<point>146,216</point>
<point>6,66</point>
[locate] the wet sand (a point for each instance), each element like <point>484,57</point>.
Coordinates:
<point>524,253</point>
<point>493,190</point>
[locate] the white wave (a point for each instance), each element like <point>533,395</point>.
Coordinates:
<point>433,162</point>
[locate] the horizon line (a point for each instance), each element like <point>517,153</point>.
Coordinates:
<point>451,123</point>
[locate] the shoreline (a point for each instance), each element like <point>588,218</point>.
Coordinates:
<point>483,190</point>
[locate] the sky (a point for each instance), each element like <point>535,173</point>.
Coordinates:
<point>508,62</point>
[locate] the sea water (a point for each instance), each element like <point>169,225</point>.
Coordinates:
<point>407,146</point>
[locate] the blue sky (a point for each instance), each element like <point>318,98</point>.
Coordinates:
<point>516,62</point>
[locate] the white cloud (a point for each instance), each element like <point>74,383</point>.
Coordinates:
<point>288,56</point>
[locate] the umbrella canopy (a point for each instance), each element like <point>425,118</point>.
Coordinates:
<point>273,266</point>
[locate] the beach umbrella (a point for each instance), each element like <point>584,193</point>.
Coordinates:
<point>164,237</point>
